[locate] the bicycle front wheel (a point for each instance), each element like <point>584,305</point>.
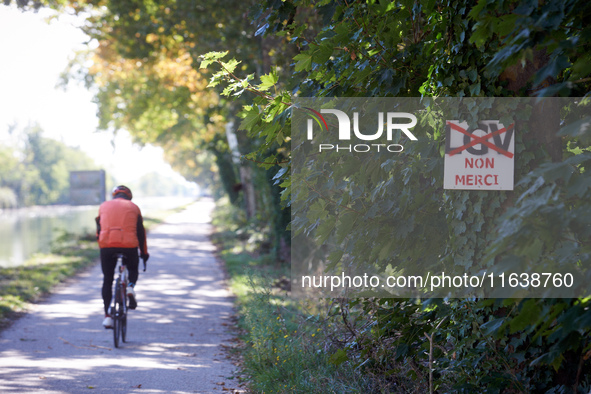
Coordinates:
<point>117,312</point>
<point>116,331</point>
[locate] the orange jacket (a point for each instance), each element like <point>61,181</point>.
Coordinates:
<point>120,225</point>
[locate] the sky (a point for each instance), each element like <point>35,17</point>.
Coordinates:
<point>33,54</point>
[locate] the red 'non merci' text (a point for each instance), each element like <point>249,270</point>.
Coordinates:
<point>477,180</point>
<point>488,162</point>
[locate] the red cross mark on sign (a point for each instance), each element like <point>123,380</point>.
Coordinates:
<point>481,140</point>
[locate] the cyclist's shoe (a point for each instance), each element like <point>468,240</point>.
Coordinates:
<point>131,296</point>
<point>108,322</point>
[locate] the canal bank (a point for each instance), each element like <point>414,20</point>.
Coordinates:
<point>26,231</point>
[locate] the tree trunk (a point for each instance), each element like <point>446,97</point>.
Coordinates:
<point>248,189</point>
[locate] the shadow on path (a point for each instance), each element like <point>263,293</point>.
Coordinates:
<point>174,336</point>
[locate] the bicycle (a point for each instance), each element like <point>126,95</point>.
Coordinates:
<point>120,302</point>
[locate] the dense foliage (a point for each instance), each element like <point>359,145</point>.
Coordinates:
<point>38,171</point>
<point>147,72</point>
<point>146,69</point>
<point>454,49</point>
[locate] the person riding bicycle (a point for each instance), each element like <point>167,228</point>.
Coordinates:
<point>120,230</point>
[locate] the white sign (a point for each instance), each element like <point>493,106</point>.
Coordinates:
<point>480,158</point>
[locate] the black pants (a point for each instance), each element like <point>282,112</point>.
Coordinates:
<point>108,264</point>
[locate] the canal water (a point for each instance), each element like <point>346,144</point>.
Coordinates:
<point>26,231</point>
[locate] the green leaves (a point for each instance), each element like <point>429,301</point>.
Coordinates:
<point>303,62</point>
<point>528,316</point>
<point>251,116</point>
<point>212,57</point>
<point>382,49</point>
<point>268,81</point>
<point>553,68</point>
<point>491,328</point>
<point>339,357</point>
<point>319,55</point>
<point>543,35</point>
<point>580,129</point>
<point>236,85</point>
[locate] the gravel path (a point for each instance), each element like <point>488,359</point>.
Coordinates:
<point>175,336</point>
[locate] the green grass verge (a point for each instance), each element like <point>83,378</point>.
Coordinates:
<point>286,343</point>
<point>34,279</point>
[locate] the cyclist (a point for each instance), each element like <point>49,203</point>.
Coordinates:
<point>120,230</point>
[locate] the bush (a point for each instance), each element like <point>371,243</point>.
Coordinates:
<point>7,198</point>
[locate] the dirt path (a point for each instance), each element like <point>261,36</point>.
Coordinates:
<point>175,337</point>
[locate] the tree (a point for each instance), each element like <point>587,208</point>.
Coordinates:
<point>402,49</point>
<point>39,173</point>
<point>461,49</point>
<point>8,178</point>
<point>146,69</point>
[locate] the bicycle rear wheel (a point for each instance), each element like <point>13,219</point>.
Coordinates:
<point>123,312</point>
<point>124,328</point>
<point>117,314</point>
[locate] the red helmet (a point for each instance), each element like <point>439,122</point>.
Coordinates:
<point>122,189</point>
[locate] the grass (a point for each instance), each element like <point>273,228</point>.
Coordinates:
<point>287,343</point>
<point>34,279</point>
